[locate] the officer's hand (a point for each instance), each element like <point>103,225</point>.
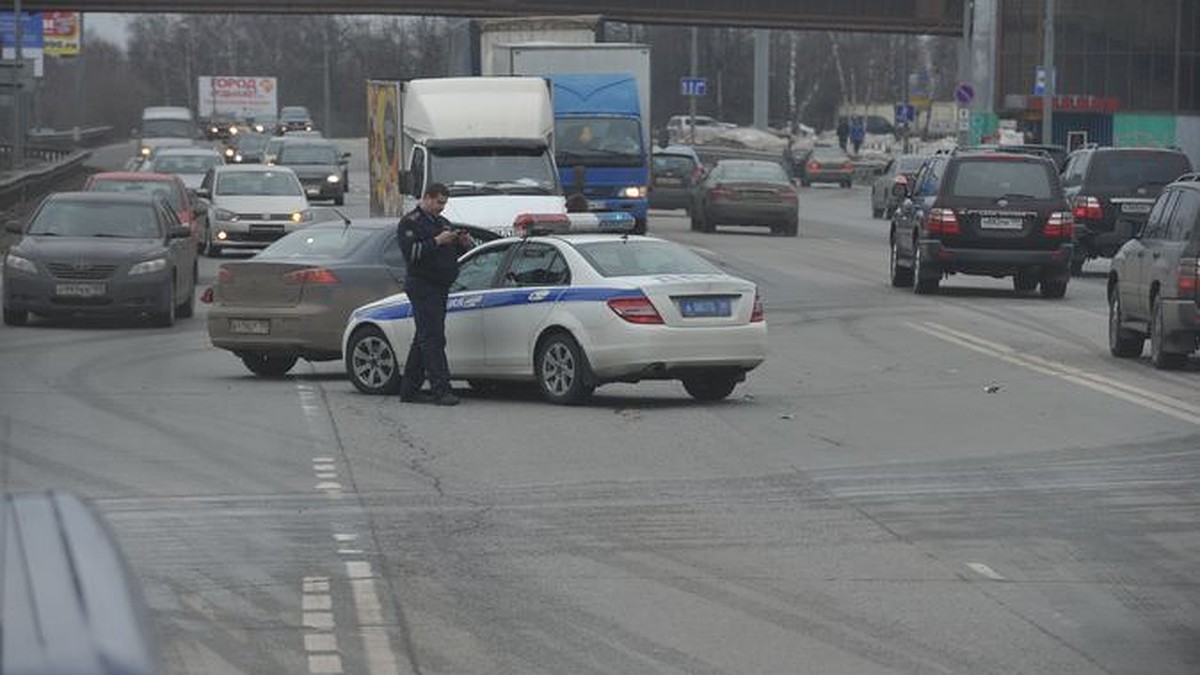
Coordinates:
<point>445,237</point>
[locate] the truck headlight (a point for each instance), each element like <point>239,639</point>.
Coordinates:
<point>16,262</point>
<point>149,266</point>
<point>333,178</point>
<point>634,192</point>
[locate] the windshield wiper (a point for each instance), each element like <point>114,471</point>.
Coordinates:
<point>1015,195</point>
<point>464,186</point>
<point>107,235</point>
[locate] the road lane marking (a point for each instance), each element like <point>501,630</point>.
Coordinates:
<point>1162,403</point>
<point>320,645</point>
<point>324,664</point>
<point>320,642</point>
<point>985,571</point>
<point>381,660</point>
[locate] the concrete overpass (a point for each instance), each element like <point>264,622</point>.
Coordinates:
<point>941,17</point>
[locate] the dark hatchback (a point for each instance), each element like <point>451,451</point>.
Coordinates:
<point>101,254</point>
<point>674,173</point>
<point>987,214</point>
<point>320,166</point>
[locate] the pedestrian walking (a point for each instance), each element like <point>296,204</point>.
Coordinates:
<point>431,248</point>
<point>857,133</point>
<point>843,133</point>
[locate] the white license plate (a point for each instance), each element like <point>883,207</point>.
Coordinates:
<point>669,181</point>
<point>314,191</point>
<point>993,223</point>
<point>81,290</point>
<point>250,326</point>
<point>1136,208</point>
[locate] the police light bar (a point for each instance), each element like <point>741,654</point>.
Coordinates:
<point>533,224</point>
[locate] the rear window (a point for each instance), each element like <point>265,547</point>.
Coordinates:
<point>638,258</point>
<point>1128,170</point>
<point>335,243</point>
<point>758,171</point>
<point>673,163</point>
<point>996,179</point>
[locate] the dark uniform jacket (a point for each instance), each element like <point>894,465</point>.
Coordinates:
<point>426,260</point>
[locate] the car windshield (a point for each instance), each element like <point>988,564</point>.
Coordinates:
<point>909,163</point>
<point>627,258</point>
<point>168,129</point>
<point>190,164</point>
<point>307,154</point>
<point>1005,178</point>
<point>1128,170</point>
<point>61,218</point>
<point>259,183</point>
<point>293,115</point>
<point>513,170</point>
<point>251,142</point>
<point>598,140</point>
<point>160,188</point>
<point>332,243</point>
<point>752,171</point>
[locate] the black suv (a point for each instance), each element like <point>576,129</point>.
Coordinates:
<point>1111,191</point>
<point>983,213</point>
<point>1152,285</point>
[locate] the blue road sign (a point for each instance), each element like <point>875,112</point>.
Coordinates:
<point>905,114</point>
<point>693,86</point>
<point>964,93</point>
<point>31,30</point>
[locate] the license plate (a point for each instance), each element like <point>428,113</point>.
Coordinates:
<point>993,223</point>
<point>81,290</point>
<point>669,181</point>
<point>314,191</point>
<point>595,206</point>
<point>250,326</point>
<point>701,307</point>
<point>1136,208</point>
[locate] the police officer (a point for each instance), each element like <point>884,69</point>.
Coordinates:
<point>431,249</point>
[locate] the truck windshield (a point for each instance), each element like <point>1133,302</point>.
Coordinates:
<point>168,129</point>
<point>598,141</point>
<point>494,170</point>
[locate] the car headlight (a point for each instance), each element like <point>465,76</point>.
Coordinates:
<point>229,152</point>
<point>156,265</point>
<point>215,130</point>
<point>259,128</point>
<point>145,151</point>
<point>16,262</point>
<point>237,158</point>
<point>302,216</point>
<point>225,214</point>
<point>233,131</point>
<point>634,192</point>
<point>333,178</point>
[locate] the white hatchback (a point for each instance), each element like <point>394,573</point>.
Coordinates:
<point>572,311</point>
<point>252,205</point>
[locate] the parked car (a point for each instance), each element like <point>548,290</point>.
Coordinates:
<point>320,165</point>
<point>292,300</point>
<point>1112,190</point>
<point>680,128</point>
<point>190,164</point>
<point>191,211</point>
<point>99,254</point>
<point>252,205</point>
<point>746,192</point>
<point>674,173</point>
<point>1154,281</point>
<point>825,165</point>
<point>983,213</point>
<point>900,170</point>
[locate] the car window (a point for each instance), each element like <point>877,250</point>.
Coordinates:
<point>168,215</point>
<point>1160,215</point>
<point>1128,170</point>
<point>996,179</point>
<point>333,243</point>
<point>638,258</point>
<point>673,164</point>
<point>478,272</point>
<point>184,163</point>
<point>931,180</point>
<point>757,171</point>
<point>536,265</point>
<point>258,184</point>
<point>97,219</point>
<point>1185,216</point>
<point>392,255</point>
<point>307,154</point>
<point>1073,171</point>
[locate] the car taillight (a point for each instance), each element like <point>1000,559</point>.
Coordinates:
<point>1060,225</point>
<point>943,222</point>
<point>1088,208</point>
<point>1189,278</point>
<point>224,275</point>
<point>635,310</point>
<point>311,275</point>
<point>786,192</point>
<point>207,296</point>
<point>757,313</point>
<point>720,192</point>
<point>813,166</point>
<point>847,167</point>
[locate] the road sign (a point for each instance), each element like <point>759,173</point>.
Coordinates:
<point>964,93</point>
<point>1040,81</point>
<point>693,86</point>
<point>905,114</point>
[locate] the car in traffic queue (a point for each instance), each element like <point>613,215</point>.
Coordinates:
<point>250,148</point>
<point>294,118</point>
<point>746,192</point>
<point>902,170</point>
<point>101,254</point>
<point>824,164</point>
<point>190,164</point>
<point>573,302</point>
<point>1154,281</point>
<point>292,300</point>
<point>188,209</point>
<point>674,173</point>
<point>987,214</point>
<point>320,165</point>
<point>250,206</point>
<point>271,151</point>
<point>220,127</point>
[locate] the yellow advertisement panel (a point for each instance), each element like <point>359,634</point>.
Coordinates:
<point>60,33</point>
<point>383,146</point>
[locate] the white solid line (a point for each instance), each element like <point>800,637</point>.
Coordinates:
<point>316,585</point>
<point>328,485</point>
<point>320,642</point>
<point>324,664</point>
<point>311,602</point>
<point>985,571</point>
<point>366,600</point>
<point>380,658</point>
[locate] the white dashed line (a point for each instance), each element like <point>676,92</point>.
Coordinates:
<point>985,571</point>
<point>317,615</point>
<point>380,658</point>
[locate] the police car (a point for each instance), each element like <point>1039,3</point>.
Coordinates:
<point>572,302</point>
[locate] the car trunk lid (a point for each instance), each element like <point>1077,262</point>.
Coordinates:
<point>267,284</point>
<point>693,300</point>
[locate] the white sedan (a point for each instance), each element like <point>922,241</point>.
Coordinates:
<point>572,311</point>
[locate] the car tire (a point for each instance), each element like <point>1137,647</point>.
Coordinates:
<point>845,185</point>
<point>1123,343</point>
<point>15,317</point>
<point>710,386</point>
<point>1077,260</point>
<point>1159,357</point>
<point>1054,287</point>
<point>876,213</point>
<point>1024,282</point>
<point>371,363</point>
<point>269,364</point>
<point>562,370</point>
<point>639,226</point>
<point>187,308</point>
<point>340,200</point>
<point>791,230</point>
<point>922,284</point>
<point>165,318</point>
<point>901,277</point>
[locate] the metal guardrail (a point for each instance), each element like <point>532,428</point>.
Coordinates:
<point>32,183</point>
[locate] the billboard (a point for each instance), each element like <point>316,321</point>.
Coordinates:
<point>60,33</point>
<point>31,38</point>
<point>383,147</point>
<point>238,95</point>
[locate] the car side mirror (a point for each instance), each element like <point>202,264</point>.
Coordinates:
<point>200,207</point>
<point>346,155</point>
<point>13,227</point>
<point>202,193</point>
<point>181,232</point>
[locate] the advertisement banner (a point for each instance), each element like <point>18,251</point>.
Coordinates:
<point>383,147</point>
<point>31,39</point>
<point>242,96</point>
<point>60,33</point>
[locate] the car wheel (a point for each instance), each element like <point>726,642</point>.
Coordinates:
<point>340,200</point>
<point>710,386</point>
<point>1024,282</point>
<point>562,370</point>
<point>1054,287</point>
<point>15,317</point>
<point>1077,260</point>
<point>845,185</point>
<point>1161,358</point>
<point>876,213</point>
<point>792,230</point>
<point>922,283</point>
<point>268,364</point>
<point>165,318</point>
<point>639,226</point>
<point>900,276</point>
<point>187,308</point>
<point>371,362</point>
<point>804,182</point>
<point>1122,342</point>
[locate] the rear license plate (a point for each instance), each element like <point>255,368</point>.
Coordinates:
<point>81,290</point>
<point>250,326</point>
<point>1136,208</point>
<point>993,223</point>
<point>701,307</point>
<point>665,180</point>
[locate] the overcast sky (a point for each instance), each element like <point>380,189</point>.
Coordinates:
<point>110,27</point>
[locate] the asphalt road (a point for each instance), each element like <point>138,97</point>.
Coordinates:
<point>963,483</point>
